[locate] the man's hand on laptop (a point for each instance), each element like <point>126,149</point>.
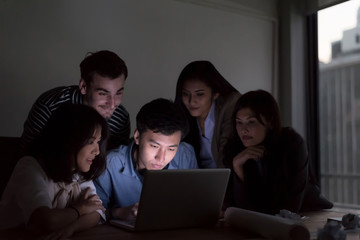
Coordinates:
<point>126,213</point>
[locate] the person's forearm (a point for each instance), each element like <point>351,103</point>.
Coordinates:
<point>297,191</point>
<point>239,171</point>
<point>48,220</point>
<point>45,220</point>
<point>116,213</point>
<point>299,164</point>
<point>86,221</point>
<point>126,213</point>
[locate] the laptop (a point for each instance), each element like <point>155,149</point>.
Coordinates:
<point>179,198</point>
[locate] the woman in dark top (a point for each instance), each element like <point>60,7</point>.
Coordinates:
<point>269,163</point>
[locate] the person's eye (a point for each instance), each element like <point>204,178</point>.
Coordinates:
<point>90,142</point>
<point>102,94</point>
<point>184,94</point>
<point>239,123</point>
<point>200,94</point>
<point>172,149</point>
<point>253,122</point>
<point>154,146</point>
<point>119,93</point>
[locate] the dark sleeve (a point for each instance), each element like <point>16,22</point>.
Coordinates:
<point>38,116</point>
<point>248,194</point>
<point>119,128</point>
<point>296,170</point>
<point>235,193</point>
<point>226,129</point>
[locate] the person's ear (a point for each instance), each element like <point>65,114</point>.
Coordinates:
<point>82,86</point>
<point>137,137</point>
<point>216,95</point>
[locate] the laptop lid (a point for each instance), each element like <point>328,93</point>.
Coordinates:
<point>180,198</point>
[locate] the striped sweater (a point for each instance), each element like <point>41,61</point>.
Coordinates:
<point>48,102</point>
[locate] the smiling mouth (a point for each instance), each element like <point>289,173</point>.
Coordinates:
<point>105,108</point>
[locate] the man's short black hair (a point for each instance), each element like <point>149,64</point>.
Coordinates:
<point>105,63</point>
<point>162,115</point>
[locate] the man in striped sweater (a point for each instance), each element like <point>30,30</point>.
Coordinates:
<point>101,86</point>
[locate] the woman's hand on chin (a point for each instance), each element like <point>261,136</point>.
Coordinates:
<point>253,152</point>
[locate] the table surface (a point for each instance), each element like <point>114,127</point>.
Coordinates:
<point>313,221</point>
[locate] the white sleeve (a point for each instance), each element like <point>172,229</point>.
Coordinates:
<point>90,184</point>
<point>32,186</point>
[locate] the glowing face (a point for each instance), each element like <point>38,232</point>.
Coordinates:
<point>87,153</point>
<point>103,94</point>
<point>155,150</point>
<point>197,97</point>
<point>249,129</point>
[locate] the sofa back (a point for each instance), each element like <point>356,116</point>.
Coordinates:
<point>9,155</point>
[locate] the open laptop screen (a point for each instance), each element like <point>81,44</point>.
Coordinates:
<point>180,198</point>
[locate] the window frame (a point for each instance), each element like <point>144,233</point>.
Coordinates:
<point>312,101</point>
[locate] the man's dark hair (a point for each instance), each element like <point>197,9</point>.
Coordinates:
<point>105,63</point>
<point>162,115</point>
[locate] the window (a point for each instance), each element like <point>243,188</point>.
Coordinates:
<point>339,102</point>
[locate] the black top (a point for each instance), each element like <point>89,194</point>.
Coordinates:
<point>277,181</point>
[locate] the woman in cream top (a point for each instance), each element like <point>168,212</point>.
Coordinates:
<point>51,192</point>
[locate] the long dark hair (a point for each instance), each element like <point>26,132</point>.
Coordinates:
<point>68,130</point>
<point>265,108</point>
<point>206,72</point>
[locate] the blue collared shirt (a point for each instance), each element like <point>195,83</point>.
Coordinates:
<point>120,185</point>
<point>206,157</point>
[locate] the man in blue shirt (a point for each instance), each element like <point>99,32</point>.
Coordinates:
<point>160,126</point>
